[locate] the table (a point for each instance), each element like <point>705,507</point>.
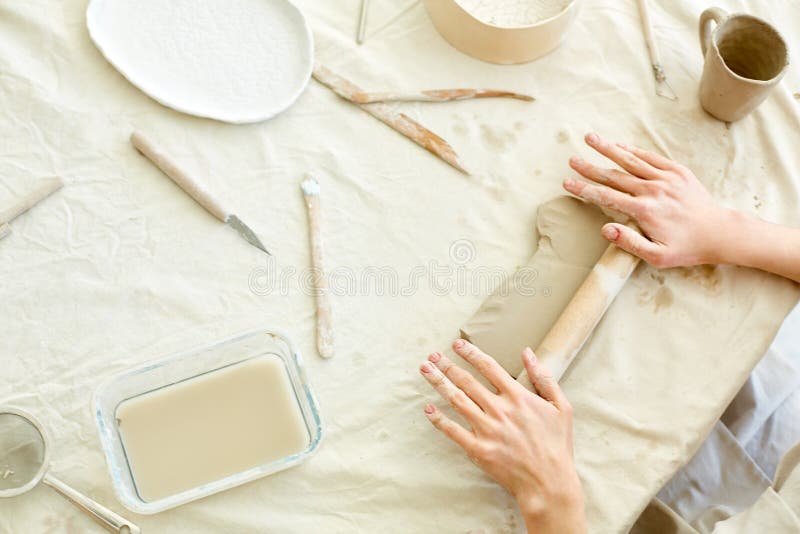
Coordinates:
<point>120,267</point>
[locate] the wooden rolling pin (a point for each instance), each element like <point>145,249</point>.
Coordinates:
<point>576,323</point>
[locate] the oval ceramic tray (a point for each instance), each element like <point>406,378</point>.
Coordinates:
<point>236,61</point>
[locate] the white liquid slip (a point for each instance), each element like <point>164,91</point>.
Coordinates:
<point>207,428</point>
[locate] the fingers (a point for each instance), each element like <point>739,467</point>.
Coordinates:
<point>449,392</point>
<point>611,177</point>
<point>603,196</point>
<point>621,157</point>
<point>632,241</point>
<point>463,437</point>
<point>462,380</point>
<point>484,364</point>
<point>656,160</point>
<point>546,386</point>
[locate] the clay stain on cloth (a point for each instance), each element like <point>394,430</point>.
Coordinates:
<point>661,298</point>
<point>704,276</point>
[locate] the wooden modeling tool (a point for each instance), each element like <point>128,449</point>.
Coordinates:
<point>42,191</point>
<point>663,88</point>
<point>193,188</point>
<point>362,21</point>
<point>372,103</point>
<point>310,188</point>
<point>437,95</point>
<point>565,338</point>
<point>398,121</point>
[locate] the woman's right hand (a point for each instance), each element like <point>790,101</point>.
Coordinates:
<point>681,224</point>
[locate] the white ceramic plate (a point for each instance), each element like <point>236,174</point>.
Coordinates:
<point>236,61</point>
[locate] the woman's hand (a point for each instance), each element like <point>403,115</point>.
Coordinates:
<point>520,439</point>
<point>681,223</point>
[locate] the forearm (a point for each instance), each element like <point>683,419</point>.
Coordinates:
<point>753,242</point>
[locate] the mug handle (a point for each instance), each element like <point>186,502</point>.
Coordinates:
<point>712,14</point>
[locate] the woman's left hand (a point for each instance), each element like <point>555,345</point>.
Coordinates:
<point>520,439</point>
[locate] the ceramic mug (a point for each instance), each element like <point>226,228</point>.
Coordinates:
<point>744,59</point>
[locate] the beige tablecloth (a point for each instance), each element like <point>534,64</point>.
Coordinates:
<point>120,267</point>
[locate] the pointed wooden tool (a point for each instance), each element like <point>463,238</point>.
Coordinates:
<point>437,95</point>
<point>398,121</point>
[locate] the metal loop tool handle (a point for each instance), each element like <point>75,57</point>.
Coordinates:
<point>108,519</point>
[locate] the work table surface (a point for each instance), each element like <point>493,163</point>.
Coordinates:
<point>120,267</point>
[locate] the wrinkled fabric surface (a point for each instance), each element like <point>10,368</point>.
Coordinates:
<point>120,267</point>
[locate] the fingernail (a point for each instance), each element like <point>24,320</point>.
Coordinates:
<point>426,368</point>
<point>592,138</point>
<point>429,409</point>
<point>529,355</point>
<point>576,160</point>
<point>569,182</point>
<point>435,357</point>
<point>611,233</point>
<point>458,343</point>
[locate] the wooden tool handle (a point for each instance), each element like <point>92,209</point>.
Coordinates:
<point>191,186</point>
<point>576,323</point>
<point>44,190</point>
<point>324,327</point>
<point>439,95</point>
<point>647,27</point>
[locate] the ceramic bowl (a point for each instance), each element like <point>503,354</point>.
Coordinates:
<point>497,44</point>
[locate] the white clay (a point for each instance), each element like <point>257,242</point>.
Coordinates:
<point>513,13</point>
<point>231,60</point>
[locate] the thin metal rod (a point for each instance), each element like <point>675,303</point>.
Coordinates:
<point>362,21</point>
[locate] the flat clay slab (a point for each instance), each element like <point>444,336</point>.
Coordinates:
<point>520,315</point>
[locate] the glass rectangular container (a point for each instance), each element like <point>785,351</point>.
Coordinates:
<point>183,366</point>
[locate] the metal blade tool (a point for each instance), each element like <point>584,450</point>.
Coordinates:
<point>193,188</point>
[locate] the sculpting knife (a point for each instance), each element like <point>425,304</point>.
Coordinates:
<point>193,188</point>
<point>310,188</point>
